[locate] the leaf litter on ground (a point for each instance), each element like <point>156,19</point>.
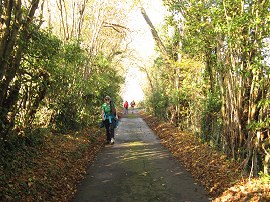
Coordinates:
<point>222,178</point>
<point>53,173</point>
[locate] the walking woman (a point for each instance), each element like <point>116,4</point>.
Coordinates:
<point>126,107</point>
<point>109,116</point>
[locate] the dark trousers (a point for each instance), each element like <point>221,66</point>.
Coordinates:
<point>109,129</point>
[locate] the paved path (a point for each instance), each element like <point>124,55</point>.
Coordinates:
<point>137,169</point>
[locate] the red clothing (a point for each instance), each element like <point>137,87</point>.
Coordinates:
<point>126,105</point>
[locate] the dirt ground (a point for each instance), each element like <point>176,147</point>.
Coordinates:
<point>137,168</point>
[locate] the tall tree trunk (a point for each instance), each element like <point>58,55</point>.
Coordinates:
<point>11,58</point>
<point>155,34</point>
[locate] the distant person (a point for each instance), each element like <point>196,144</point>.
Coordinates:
<point>132,104</point>
<point>109,116</point>
<point>126,107</point>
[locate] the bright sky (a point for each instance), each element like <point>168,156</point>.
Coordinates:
<point>143,45</point>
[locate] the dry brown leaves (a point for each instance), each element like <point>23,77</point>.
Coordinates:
<point>220,177</point>
<point>57,168</point>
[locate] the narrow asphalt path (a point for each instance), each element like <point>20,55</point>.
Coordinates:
<point>137,168</point>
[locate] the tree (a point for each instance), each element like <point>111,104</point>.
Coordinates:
<point>17,20</point>
<point>235,73</point>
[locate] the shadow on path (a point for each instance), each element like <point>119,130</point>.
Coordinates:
<point>137,168</point>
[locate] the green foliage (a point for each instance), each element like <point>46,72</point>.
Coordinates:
<point>39,49</point>
<point>39,61</point>
<point>230,39</point>
<point>60,86</point>
<point>76,96</point>
<point>66,87</point>
<point>265,178</point>
<point>12,149</point>
<point>157,103</point>
<point>211,123</point>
